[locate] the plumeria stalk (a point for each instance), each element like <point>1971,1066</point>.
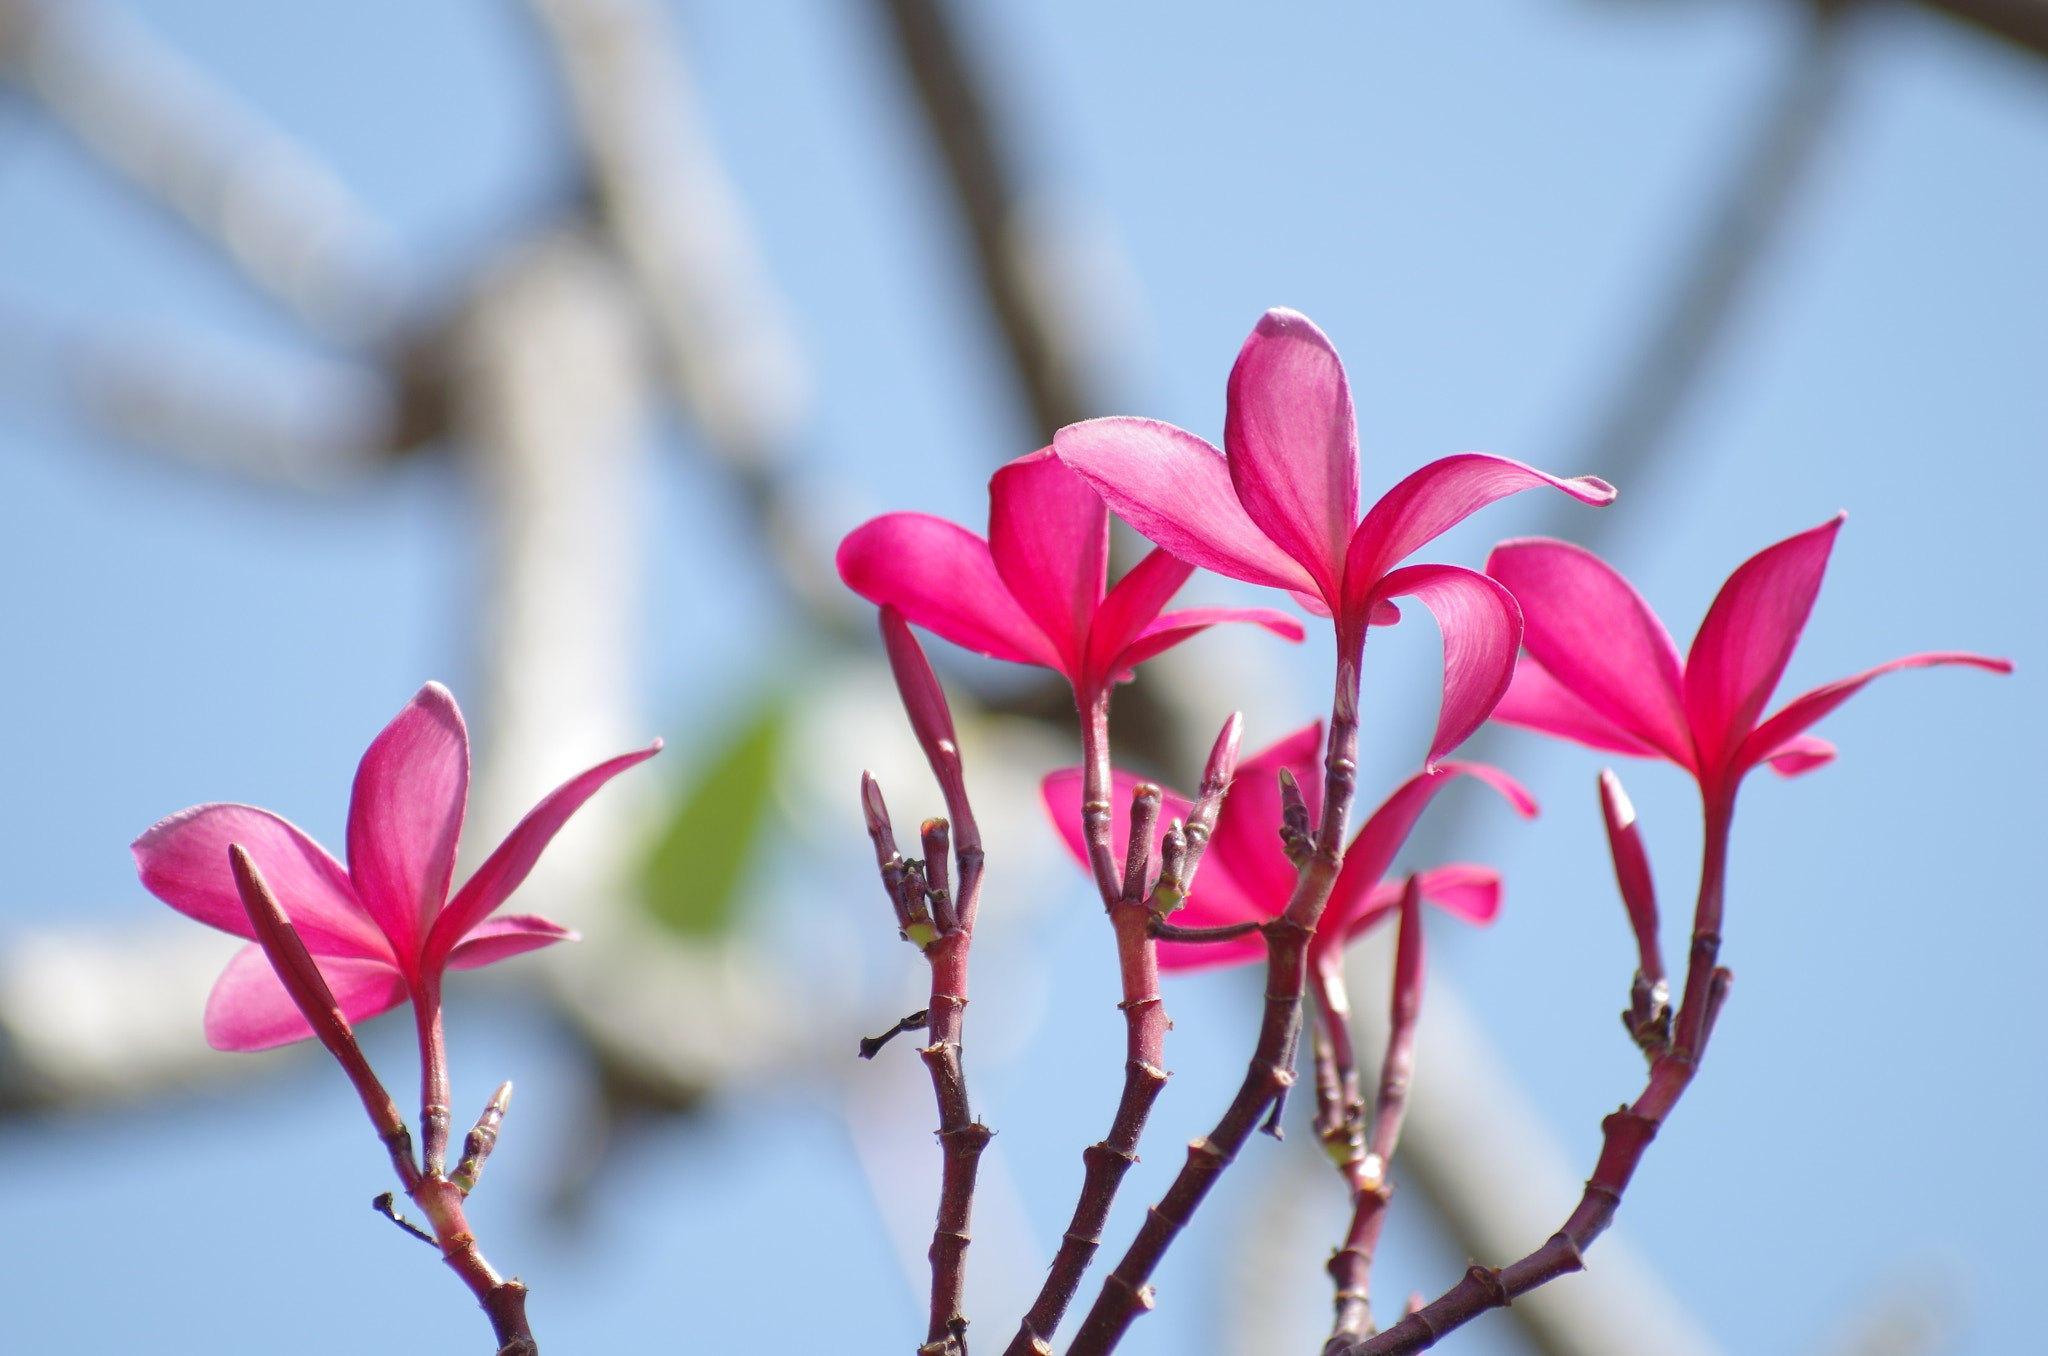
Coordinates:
<point>1602,670</point>
<point>332,946</point>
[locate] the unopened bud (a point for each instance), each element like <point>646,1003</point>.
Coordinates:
<point>1632,873</point>
<point>1170,889</point>
<point>1297,833</point>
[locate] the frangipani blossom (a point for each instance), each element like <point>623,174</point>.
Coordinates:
<point>1280,507</point>
<point>384,928</point>
<point>1601,670</point>
<point>1246,875</point>
<point>1035,590</point>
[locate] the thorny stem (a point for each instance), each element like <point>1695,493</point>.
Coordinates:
<point>1371,1191</point>
<point>1626,1134</point>
<point>1134,919</point>
<point>503,1301</point>
<point>1127,1291</point>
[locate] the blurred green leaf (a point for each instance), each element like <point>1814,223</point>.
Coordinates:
<point>692,879</point>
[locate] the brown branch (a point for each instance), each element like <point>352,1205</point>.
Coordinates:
<point>1626,1134</point>
<point>1127,1291</point>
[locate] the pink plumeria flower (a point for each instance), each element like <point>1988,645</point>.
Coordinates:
<point>383,929</point>
<point>1035,591</point>
<point>1246,877</point>
<point>1601,670</point>
<point>1280,507</point>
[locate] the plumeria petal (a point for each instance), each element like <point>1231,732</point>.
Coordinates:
<point>1749,634</point>
<point>1176,491</point>
<point>1171,628</point>
<point>1132,606</point>
<point>1381,837</point>
<point>1463,890</point>
<point>1536,701</point>
<point>497,938</point>
<point>1800,754</point>
<point>508,866</point>
<point>1436,498</point>
<point>943,578</point>
<point>405,817</point>
<point>250,1010</point>
<point>1594,634</point>
<point>1048,533</point>
<point>1482,628</point>
<point>183,861</point>
<point>1771,739</point>
<point>1293,443</point>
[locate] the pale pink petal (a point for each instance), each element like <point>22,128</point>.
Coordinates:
<point>1316,607</point>
<point>942,577</point>
<point>1061,794</point>
<point>497,938</point>
<point>1132,606</point>
<point>1372,852</point>
<point>1171,628</point>
<point>1437,498</point>
<point>1245,846</point>
<point>508,866</point>
<point>1595,635</point>
<point>183,861</point>
<point>1800,754</point>
<point>1770,740</point>
<point>1749,634</point>
<point>250,1010</point>
<point>1482,629</point>
<point>1293,443</point>
<point>1175,490</point>
<point>1384,613</point>
<point>405,818</point>
<point>1049,536</point>
<point>1536,701</point>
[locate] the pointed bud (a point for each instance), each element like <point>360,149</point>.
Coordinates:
<point>931,719</point>
<point>1222,765</point>
<point>1632,873</point>
<point>937,839</point>
<point>1297,833</point>
<point>483,1137</point>
<point>1138,853</point>
<point>1407,1000</point>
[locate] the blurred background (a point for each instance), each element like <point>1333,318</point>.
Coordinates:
<point>547,349</point>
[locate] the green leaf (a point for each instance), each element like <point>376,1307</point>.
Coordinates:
<point>691,882</point>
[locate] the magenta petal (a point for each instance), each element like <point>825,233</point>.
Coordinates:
<point>1049,536</point>
<point>1176,490</point>
<point>1183,958</point>
<point>1131,607</point>
<point>1316,607</point>
<point>1465,891</point>
<point>1482,629</point>
<point>1748,636</point>
<point>183,861</point>
<point>1770,740</point>
<point>508,866</point>
<point>1800,754</point>
<point>1293,443</point>
<point>405,818</point>
<point>942,577</point>
<point>1373,850</point>
<point>1433,500</point>
<point>1596,636</point>
<point>1536,701</point>
<point>250,1010</point>
<point>497,938</point>
<point>1171,628</point>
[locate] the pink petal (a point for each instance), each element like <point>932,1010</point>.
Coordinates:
<point>1171,628</point>
<point>1176,490</point>
<point>943,578</point>
<point>1536,701</point>
<point>1131,607</point>
<point>1187,957</point>
<point>1464,891</point>
<point>1377,843</point>
<point>1437,498</point>
<point>1482,629</point>
<point>1061,793</point>
<point>250,1010</point>
<point>1800,754</point>
<point>1245,849</point>
<point>405,818</point>
<point>1049,536</point>
<point>1316,607</point>
<point>1596,636</point>
<point>183,861</point>
<point>1774,738</point>
<point>508,866</point>
<point>1749,634</point>
<point>497,938</point>
<point>1293,443</point>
